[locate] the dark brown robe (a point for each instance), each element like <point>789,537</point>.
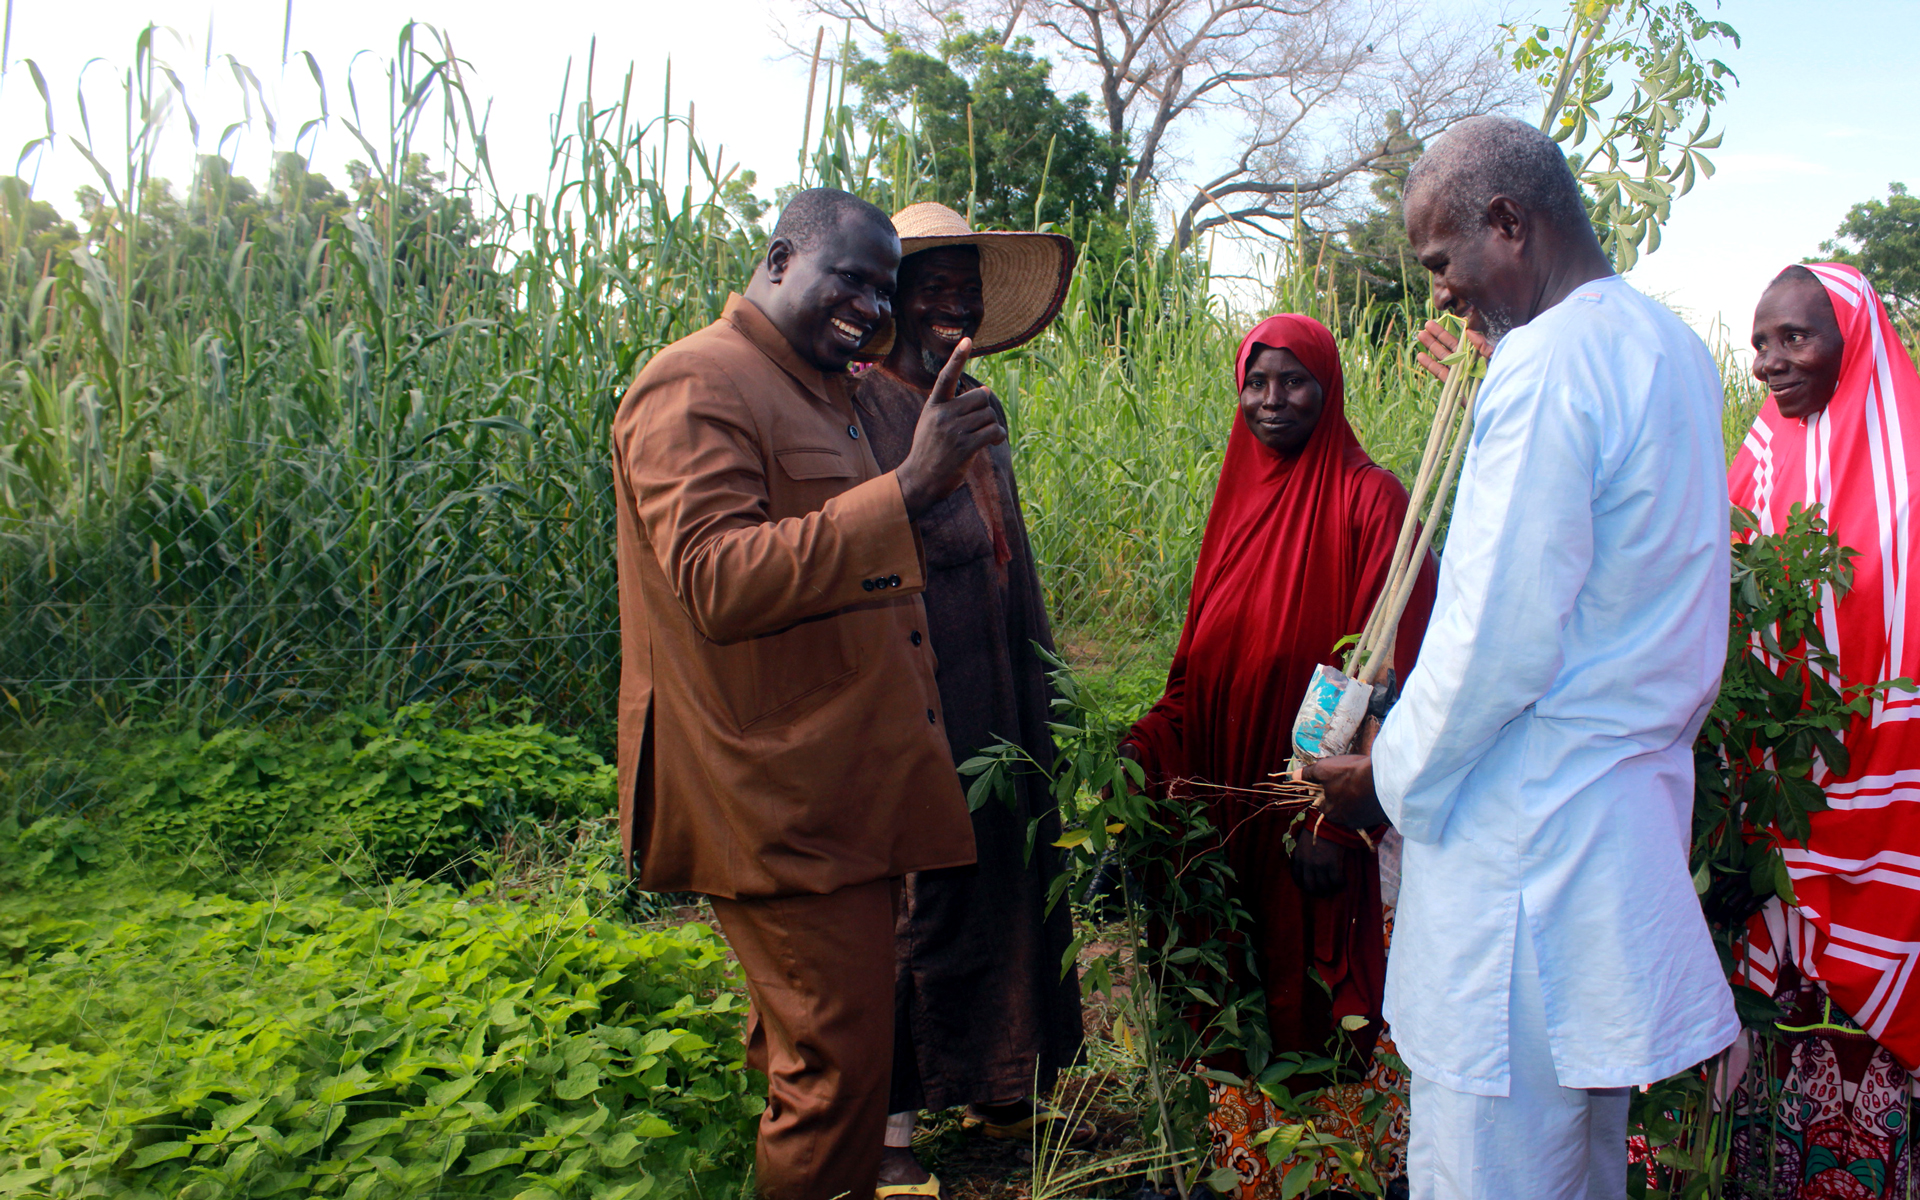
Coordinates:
<point>982,1011</point>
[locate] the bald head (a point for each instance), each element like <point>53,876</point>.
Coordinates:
<point>826,280</point>
<point>1494,216</point>
<point>817,213</point>
<point>1485,157</point>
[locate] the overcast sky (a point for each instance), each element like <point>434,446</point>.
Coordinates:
<point>1822,118</point>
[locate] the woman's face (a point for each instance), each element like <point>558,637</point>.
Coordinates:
<point>1281,400</point>
<point>1797,346</point>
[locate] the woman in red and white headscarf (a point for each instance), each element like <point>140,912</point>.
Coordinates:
<point>1841,429</point>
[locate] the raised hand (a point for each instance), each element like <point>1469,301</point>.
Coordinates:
<point>952,429</point>
<point>1440,343</point>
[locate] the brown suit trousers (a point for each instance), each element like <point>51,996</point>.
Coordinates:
<point>819,973</point>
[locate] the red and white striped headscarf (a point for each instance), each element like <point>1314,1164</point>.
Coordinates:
<point>1857,926</point>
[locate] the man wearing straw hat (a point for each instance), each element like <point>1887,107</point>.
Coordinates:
<point>1549,950</point>
<point>781,740</point>
<point>983,1015</point>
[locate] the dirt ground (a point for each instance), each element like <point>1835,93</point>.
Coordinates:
<point>975,1167</point>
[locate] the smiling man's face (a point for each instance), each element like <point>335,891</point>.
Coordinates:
<point>832,297</point>
<point>1476,272</point>
<point>1797,346</point>
<point>939,303</point>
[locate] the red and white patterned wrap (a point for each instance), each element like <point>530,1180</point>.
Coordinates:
<point>1857,926</point>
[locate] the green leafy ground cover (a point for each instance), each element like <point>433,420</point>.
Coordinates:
<point>406,1040</point>
<point>402,793</point>
<point>245,965</point>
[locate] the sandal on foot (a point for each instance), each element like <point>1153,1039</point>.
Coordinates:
<point>1022,1130</point>
<point>929,1188</point>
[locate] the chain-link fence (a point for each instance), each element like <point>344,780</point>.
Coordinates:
<point>315,578</point>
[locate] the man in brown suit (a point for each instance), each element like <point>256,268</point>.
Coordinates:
<point>781,742</point>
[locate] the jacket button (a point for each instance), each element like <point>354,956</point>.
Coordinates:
<point>893,581</point>
<point>853,431</point>
<point>931,719</point>
<point>914,637</point>
<point>867,584</point>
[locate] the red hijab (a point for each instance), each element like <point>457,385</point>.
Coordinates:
<point>1295,550</point>
<point>1289,564</point>
<point>1857,927</point>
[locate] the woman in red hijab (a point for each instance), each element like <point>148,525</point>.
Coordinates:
<point>1296,550</point>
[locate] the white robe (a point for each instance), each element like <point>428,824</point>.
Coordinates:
<point>1542,748</point>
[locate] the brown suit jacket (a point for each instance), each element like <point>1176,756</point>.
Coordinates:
<point>780,726</point>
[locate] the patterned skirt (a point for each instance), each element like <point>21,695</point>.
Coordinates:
<point>1370,1116</point>
<point>1839,1126</point>
<point>1381,1140</point>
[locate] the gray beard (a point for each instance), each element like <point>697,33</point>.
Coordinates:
<point>1499,324</point>
<point>933,365</point>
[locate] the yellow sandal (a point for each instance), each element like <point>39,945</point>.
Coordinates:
<point>1022,1130</point>
<point>887,1190</point>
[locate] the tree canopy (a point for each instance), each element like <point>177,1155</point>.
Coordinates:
<point>1302,88</point>
<point>32,227</point>
<point>994,129</point>
<point>1882,238</point>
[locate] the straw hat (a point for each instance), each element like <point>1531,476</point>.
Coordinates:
<point>1023,276</point>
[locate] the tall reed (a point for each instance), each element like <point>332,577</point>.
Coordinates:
<point>290,454</point>
<point>261,452</point>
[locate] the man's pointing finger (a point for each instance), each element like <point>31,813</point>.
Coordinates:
<point>950,374</point>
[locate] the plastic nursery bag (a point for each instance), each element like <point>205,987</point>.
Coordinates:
<point>1330,714</point>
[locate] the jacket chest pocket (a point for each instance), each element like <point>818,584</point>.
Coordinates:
<point>779,677</point>
<point>806,477</point>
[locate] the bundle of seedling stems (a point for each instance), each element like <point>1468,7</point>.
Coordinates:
<point>1370,657</point>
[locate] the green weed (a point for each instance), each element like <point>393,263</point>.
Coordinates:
<point>408,1042</point>
<point>372,793</point>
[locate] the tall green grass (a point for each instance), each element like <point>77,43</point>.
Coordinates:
<point>1119,439</point>
<point>262,453</point>
<point>277,458</point>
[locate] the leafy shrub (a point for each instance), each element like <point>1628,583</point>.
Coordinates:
<point>56,846</point>
<point>406,793</point>
<point>45,800</point>
<point>420,1043</point>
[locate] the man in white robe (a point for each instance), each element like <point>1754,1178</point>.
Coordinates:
<point>1549,950</point>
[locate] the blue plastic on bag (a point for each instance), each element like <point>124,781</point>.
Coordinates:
<point>1330,713</point>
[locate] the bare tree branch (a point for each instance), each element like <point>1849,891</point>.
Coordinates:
<point>1314,93</point>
